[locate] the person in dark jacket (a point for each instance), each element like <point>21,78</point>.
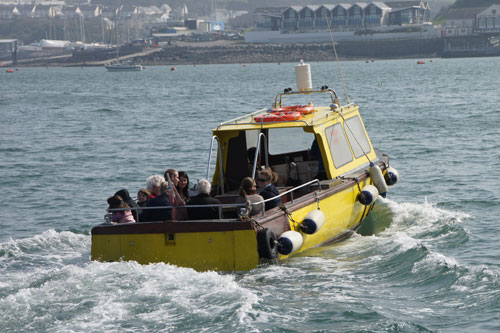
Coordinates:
<point>160,214</point>
<point>203,198</point>
<point>123,193</point>
<point>264,181</point>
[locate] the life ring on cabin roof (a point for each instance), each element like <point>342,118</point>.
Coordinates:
<point>278,116</point>
<point>303,109</point>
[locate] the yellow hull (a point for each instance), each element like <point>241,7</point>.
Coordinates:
<point>233,250</point>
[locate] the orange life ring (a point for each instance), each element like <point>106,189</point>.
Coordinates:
<point>303,109</point>
<point>278,116</point>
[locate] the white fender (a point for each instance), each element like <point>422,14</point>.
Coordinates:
<point>391,176</point>
<point>313,221</point>
<point>289,242</point>
<point>368,195</point>
<point>378,179</point>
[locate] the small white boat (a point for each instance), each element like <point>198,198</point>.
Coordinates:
<point>123,66</point>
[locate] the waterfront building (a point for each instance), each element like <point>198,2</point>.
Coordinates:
<point>408,12</point>
<point>460,22</point>
<point>488,20</point>
<point>342,16</point>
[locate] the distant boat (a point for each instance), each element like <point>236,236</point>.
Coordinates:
<point>421,62</point>
<point>123,66</point>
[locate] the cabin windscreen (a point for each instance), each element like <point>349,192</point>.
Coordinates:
<point>288,140</point>
<point>339,146</point>
<point>357,136</point>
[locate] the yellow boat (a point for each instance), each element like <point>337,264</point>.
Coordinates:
<point>313,211</point>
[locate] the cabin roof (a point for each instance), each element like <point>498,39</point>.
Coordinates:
<point>321,115</point>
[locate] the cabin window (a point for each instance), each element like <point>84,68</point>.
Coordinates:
<point>357,136</point>
<point>251,138</point>
<point>339,147</point>
<point>287,140</point>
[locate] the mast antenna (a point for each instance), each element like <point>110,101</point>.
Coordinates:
<point>337,59</point>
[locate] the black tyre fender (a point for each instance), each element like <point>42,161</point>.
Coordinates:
<point>266,244</point>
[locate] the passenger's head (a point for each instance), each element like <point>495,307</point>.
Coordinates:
<point>164,188</point>
<point>183,179</point>
<point>153,184</point>
<point>143,195</point>
<point>124,194</point>
<point>251,155</point>
<point>264,177</point>
<point>203,186</point>
<point>248,186</point>
<point>116,202</point>
<point>174,176</point>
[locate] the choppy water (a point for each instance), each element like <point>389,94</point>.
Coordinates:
<point>70,137</point>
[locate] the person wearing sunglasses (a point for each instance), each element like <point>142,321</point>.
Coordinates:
<point>264,181</point>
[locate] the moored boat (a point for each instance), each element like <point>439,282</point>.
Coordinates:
<point>123,66</point>
<point>329,177</point>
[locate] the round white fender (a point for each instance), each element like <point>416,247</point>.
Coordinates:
<point>391,176</point>
<point>368,195</point>
<point>289,242</point>
<point>313,221</point>
<point>378,179</point>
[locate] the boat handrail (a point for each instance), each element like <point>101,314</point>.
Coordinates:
<point>219,159</point>
<point>324,115</point>
<point>331,92</point>
<point>235,120</point>
<point>274,122</point>
<point>257,151</point>
<point>290,191</point>
<point>220,206</point>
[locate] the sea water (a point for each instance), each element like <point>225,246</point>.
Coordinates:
<point>71,137</point>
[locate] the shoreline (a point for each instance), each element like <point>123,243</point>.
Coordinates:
<point>229,52</point>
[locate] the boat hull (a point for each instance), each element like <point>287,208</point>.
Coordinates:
<point>132,68</point>
<point>230,245</point>
<point>220,246</point>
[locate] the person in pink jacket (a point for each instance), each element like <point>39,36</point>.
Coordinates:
<point>123,216</point>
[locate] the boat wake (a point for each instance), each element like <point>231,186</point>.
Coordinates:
<point>50,277</point>
<point>410,260</point>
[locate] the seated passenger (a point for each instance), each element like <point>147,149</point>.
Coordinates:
<point>153,184</point>
<point>183,185</point>
<point>264,180</point>
<point>159,214</point>
<point>143,196</point>
<point>176,200</point>
<point>251,156</point>
<point>123,193</point>
<point>203,198</point>
<point>123,216</point>
<point>248,194</point>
